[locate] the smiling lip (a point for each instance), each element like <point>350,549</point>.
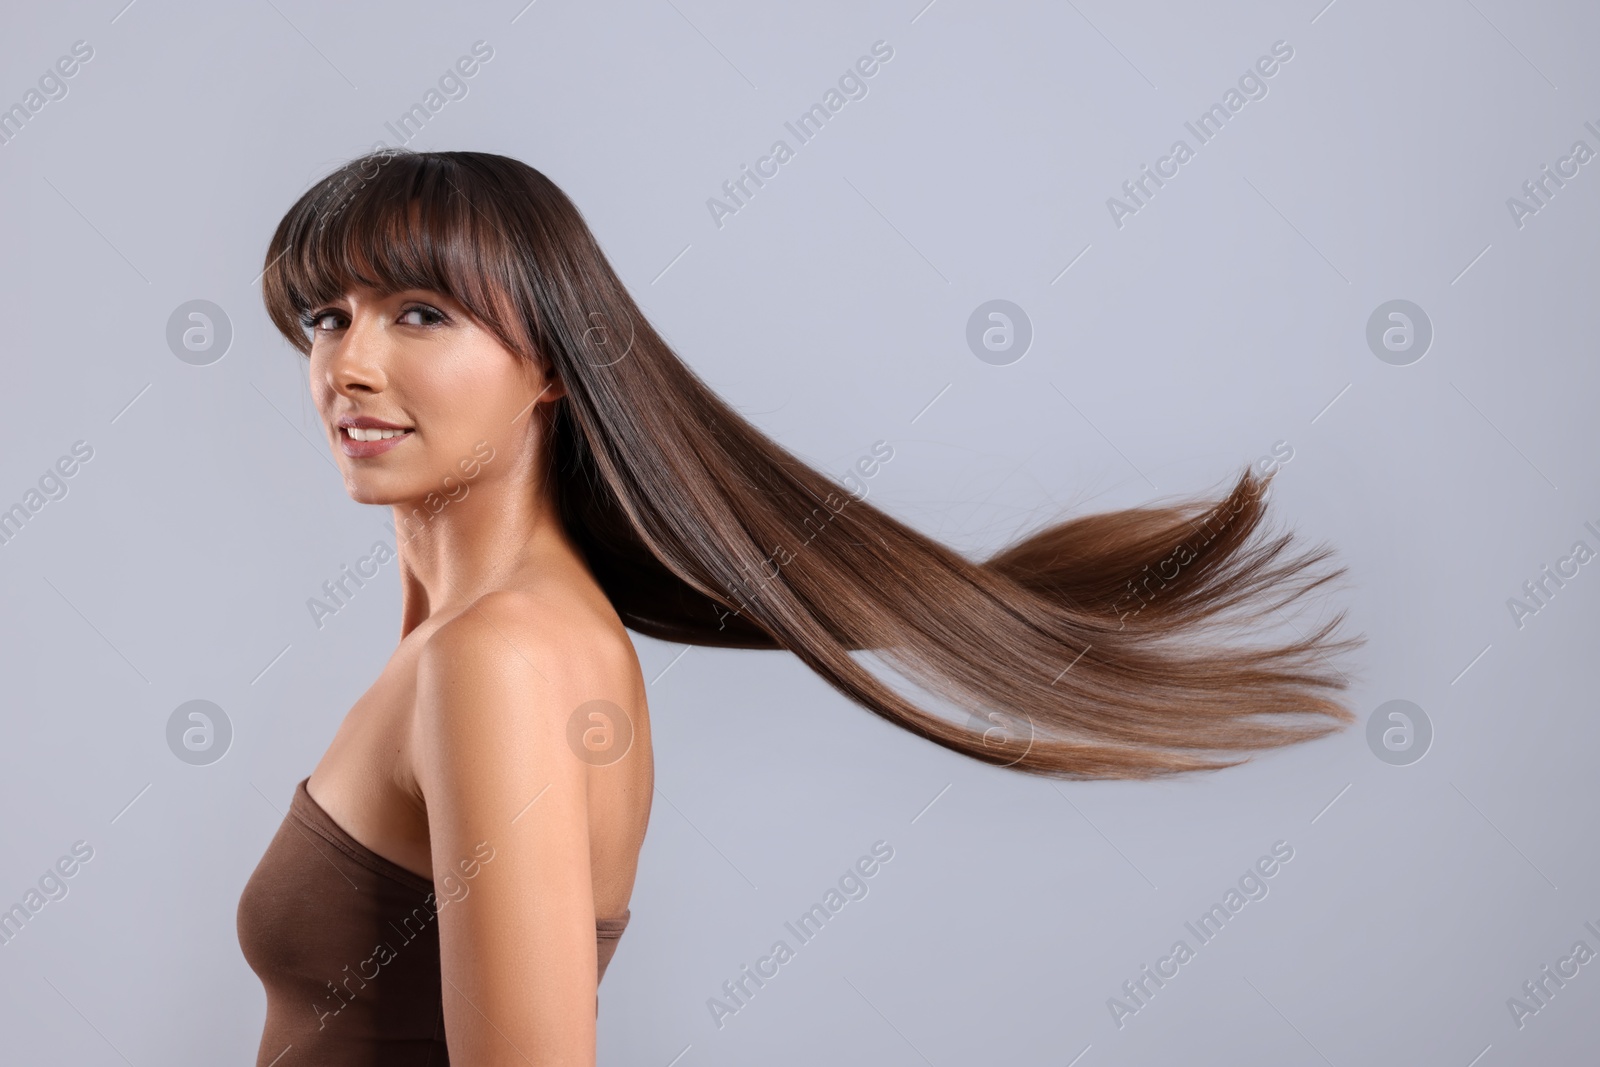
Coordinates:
<point>364,449</point>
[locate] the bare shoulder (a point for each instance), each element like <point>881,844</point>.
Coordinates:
<point>511,668</point>
<point>513,625</point>
<point>548,839</point>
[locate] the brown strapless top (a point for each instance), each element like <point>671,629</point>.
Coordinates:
<point>346,944</point>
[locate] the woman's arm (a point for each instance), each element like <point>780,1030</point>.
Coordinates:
<point>495,688</point>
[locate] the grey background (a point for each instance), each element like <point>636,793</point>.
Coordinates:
<point>1229,314</point>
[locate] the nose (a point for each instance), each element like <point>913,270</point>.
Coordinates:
<point>356,365</point>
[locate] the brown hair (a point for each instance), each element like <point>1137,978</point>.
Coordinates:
<point>1101,647</point>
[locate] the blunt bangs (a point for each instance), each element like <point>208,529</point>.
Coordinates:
<point>391,221</point>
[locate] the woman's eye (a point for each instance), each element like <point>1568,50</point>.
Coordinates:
<point>319,321</point>
<point>421,316</point>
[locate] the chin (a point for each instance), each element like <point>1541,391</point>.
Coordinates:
<point>364,491</point>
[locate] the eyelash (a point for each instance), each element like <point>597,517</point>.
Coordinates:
<point>309,319</point>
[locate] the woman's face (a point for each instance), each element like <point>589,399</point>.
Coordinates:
<point>429,386</point>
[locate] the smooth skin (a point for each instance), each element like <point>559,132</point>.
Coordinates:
<point>463,739</point>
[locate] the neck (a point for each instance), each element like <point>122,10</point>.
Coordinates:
<point>494,536</point>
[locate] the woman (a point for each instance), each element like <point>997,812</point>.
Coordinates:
<point>558,475</point>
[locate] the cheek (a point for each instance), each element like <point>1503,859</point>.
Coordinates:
<point>323,395</point>
<point>483,388</point>
<point>453,401</point>
<point>463,399</point>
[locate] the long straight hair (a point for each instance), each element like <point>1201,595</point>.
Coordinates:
<point>1107,646</point>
